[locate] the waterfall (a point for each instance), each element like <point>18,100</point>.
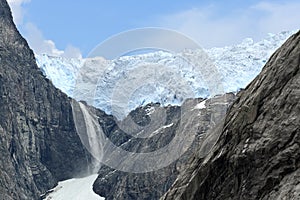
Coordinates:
<point>93,137</point>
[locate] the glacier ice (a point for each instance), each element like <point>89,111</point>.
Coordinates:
<point>120,85</point>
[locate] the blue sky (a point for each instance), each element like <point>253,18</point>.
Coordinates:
<point>74,27</point>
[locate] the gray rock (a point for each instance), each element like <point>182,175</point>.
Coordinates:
<point>258,153</point>
<point>38,141</point>
<point>116,184</point>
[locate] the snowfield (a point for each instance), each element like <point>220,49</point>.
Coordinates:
<point>75,189</point>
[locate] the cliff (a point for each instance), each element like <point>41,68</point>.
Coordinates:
<point>38,141</point>
<point>258,153</point>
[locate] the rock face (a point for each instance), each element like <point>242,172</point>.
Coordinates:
<point>194,119</point>
<point>38,142</point>
<point>258,153</point>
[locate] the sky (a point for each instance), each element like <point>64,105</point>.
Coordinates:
<point>72,28</point>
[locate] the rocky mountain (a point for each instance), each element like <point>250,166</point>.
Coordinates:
<point>38,141</point>
<point>194,121</point>
<point>250,152</point>
<point>258,153</point>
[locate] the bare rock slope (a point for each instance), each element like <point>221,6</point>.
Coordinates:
<point>258,153</point>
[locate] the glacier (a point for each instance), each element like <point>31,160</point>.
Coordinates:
<point>126,82</point>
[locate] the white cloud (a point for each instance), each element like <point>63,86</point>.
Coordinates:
<point>37,41</point>
<point>211,29</point>
<point>35,37</point>
<point>72,52</point>
<point>41,45</point>
<point>17,10</point>
<point>279,17</point>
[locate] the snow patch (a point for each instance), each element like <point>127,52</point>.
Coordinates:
<point>75,189</point>
<point>160,129</point>
<point>200,105</point>
<point>167,126</point>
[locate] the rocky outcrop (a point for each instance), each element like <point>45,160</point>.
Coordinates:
<point>189,119</point>
<point>258,153</point>
<point>38,142</point>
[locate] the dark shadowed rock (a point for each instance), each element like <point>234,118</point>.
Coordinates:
<point>115,184</point>
<point>258,153</point>
<point>38,142</point>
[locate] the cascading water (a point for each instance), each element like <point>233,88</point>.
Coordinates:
<point>94,135</point>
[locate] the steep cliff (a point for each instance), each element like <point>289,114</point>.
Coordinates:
<point>38,141</point>
<point>258,153</point>
<point>196,117</point>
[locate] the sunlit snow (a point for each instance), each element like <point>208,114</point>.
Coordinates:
<point>200,105</point>
<point>237,66</point>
